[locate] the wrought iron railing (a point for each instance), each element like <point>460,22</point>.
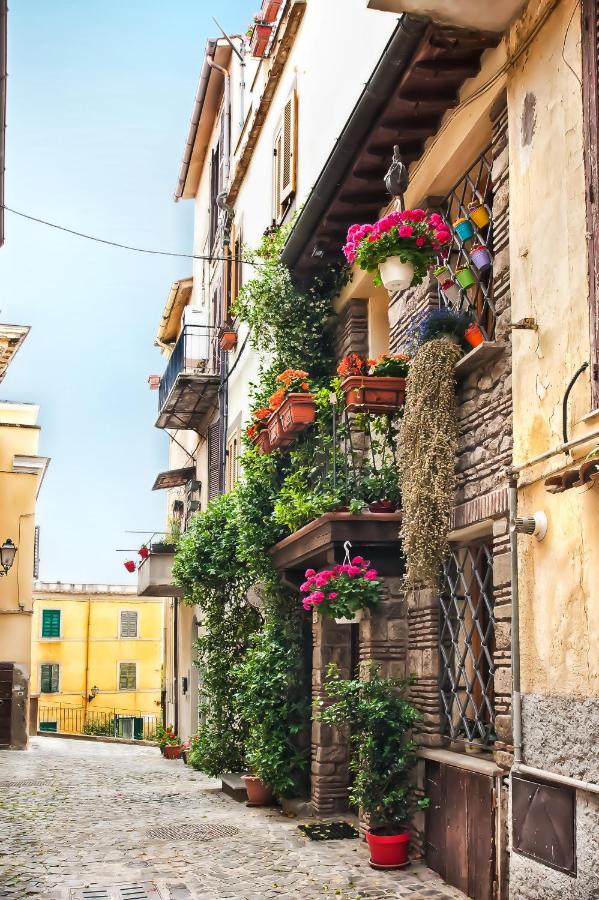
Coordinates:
<point>475,185</point>
<point>195,353</point>
<point>108,722</point>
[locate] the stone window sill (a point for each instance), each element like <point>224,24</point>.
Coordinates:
<point>478,358</point>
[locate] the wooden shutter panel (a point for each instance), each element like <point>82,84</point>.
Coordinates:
<point>276,176</point>
<point>590,88</point>
<point>289,145</point>
<point>51,623</point>
<point>128,623</point>
<point>213,460</point>
<point>54,683</point>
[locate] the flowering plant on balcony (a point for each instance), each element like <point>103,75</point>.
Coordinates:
<point>387,365</point>
<point>291,381</point>
<point>412,236</point>
<point>167,737</point>
<point>257,422</point>
<point>342,591</point>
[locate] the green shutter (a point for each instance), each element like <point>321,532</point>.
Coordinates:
<point>48,726</point>
<point>50,623</point>
<point>49,678</point>
<point>138,728</point>
<point>127,677</point>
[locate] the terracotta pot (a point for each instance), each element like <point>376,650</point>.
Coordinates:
<point>382,506</point>
<point>388,851</point>
<point>228,341</point>
<point>474,335</point>
<point>395,274</point>
<point>373,393</point>
<point>465,277</point>
<point>464,229</point>
<point>262,442</point>
<point>278,436</point>
<point>478,213</point>
<point>260,39</point>
<point>130,565</point>
<point>270,9</point>
<point>173,751</point>
<point>296,412</point>
<point>259,794</point>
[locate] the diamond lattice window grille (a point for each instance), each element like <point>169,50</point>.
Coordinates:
<point>467,644</point>
<point>475,185</point>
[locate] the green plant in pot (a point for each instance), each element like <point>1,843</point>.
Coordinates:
<point>380,486</point>
<point>379,720</point>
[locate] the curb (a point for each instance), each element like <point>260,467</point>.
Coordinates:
<point>99,738</point>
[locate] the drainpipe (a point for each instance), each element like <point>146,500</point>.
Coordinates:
<point>516,696</point>
<point>176,663</point>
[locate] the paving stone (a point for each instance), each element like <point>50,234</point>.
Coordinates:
<point>82,813</point>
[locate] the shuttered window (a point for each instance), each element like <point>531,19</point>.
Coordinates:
<point>127,676</point>
<point>50,623</point>
<point>285,158</point>
<point>49,673</point>
<point>232,462</point>
<point>128,623</point>
<point>213,460</point>
<point>590,88</point>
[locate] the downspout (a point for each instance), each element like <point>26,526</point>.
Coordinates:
<point>86,701</point>
<point>198,105</point>
<point>516,696</point>
<point>176,663</point>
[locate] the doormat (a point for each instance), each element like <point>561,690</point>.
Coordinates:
<point>329,831</point>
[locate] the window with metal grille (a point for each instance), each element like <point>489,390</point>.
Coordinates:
<point>128,623</point>
<point>467,645</point>
<point>50,623</point>
<point>49,679</point>
<point>475,186</point>
<point>127,676</point>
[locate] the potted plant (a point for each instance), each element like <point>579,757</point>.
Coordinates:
<point>480,257</point>
<point>451,291</point>
<point>342,592</point>
<point>297,409</point>
<point>261,33</point>
<point>400,248</point>
<point>130,565</point>
<point>443,323</point>
<point>474,335</point>
<point>170,745</point>
<point>381,488</point>
<point>442,274</point>
<point>144,551</point>
<point>165,546</point>
<point>380,720</point>
<point>465,277</point>
<point>227,338</point>
<point>463,228</point>
<point>374,386</point>
<point>257,431</point>
<point>478,213</point>
<point>259,794</point>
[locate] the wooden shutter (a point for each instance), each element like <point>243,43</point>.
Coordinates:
<point>213,460</point>
<point>127,677</point>
<point>50,623</point>
<point>289,147</point>
<point>49,678</point>
<point>276,175</point>
<point>128,623</point>
<point>590,89</point>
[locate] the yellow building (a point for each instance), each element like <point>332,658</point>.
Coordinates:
<point>97,658</point>
<point>21,475</point>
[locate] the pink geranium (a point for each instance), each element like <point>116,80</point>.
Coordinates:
<point>341,590</point>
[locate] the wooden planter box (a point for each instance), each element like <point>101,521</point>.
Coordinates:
<point>262,442</point>
<point>279,438</point>
<point>228,340</point>
<point>270,10</point>
<point>296,412</point>
<point>373,393</point>
<point>260,39</point>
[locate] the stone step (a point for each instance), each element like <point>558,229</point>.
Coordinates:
<point>233,785</point>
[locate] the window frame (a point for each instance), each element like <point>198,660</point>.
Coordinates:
<point>122,636</point>
<point>50,665</point>
<point>284,148</point>
<point>50,637</point>
<point>126,662</point>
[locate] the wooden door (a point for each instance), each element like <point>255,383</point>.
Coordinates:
<point>460,828</point>
<point>6,686</point>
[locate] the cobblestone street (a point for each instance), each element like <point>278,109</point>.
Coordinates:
<point>77,815</point>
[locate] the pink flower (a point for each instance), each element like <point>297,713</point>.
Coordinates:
<point>353,570</point>
<point>305,586</point>
<point>435,220</point>
<point>357,561</point>
<point>405,231</point>
<point>310,573</point>
<point>418,215</point>
<point>306,604</point>
<point>370,574</point>
<point>443,235</point>
<point>420,241</point>
<point>317,597</point>
<point>332,595</point>
<point>336,570</point>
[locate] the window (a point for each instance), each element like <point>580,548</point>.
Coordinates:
<point>232,462</point>
<point>236,264</point>
<point>214,456</point>
<point>216,182</point>
<point>50,623</point>
<point>127,676</point>
<point>467,644</point>
<point>128,623</point>
<point>285,159</point>
<point>49,679</point>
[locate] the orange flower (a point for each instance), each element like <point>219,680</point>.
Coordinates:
<point>262,413</point>
<point>277,398</point>
<point>305,386</point>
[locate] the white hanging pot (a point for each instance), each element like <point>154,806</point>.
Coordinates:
<point>395,274</point>
<point>353,621</point>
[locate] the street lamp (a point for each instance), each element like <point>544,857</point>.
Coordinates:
<point>7,556</point>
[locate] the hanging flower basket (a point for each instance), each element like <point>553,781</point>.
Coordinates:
<point>228,340</point>
<point>343,591</point>
<point>399,249</point>
<point>480,257</point>
<point>260,38</point>
<point>474,335</point>
<point>270,10</point>
<point>144,551</point>
<point>464,229</point>
<point>130,565</point>
<point>478,213</point>
<point>297,412</point>
<point>465,277</point>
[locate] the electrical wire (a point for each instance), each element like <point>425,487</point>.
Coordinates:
<point>99,240</point>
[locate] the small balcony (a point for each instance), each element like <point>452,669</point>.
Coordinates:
<point>154,574</point>
<point>464,13</point>
<point>188,392</point>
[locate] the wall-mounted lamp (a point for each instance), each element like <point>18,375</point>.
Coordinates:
<point>93,693</point>
<point>7,556</point>
<point>535,525</point>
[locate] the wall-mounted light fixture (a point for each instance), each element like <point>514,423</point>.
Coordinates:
<point>7,556</point>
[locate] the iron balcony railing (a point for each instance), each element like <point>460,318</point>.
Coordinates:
<point>196,353</point>
<point>109,722</point>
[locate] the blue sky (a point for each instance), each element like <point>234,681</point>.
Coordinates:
<point>99,98</point>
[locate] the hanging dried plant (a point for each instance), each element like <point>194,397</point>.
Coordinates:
<point>427,455</point>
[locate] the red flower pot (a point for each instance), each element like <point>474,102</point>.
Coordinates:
<point>259,794</point>
<point>260,39</point>
<point>388,851</point>
<point>173,751</point>
<point>383,506</point>
<point>228,341</point>
<point>373,393</point>
<point>277,434</point>
<point>144,552</point>
<point>262,442</point>
<point>474,335</point>
<point>130,565</point>
<point>296,412</point>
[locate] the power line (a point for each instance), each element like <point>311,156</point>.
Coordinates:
<point>99,240</point>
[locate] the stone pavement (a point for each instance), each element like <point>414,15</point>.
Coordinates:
<point>78,818</point>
